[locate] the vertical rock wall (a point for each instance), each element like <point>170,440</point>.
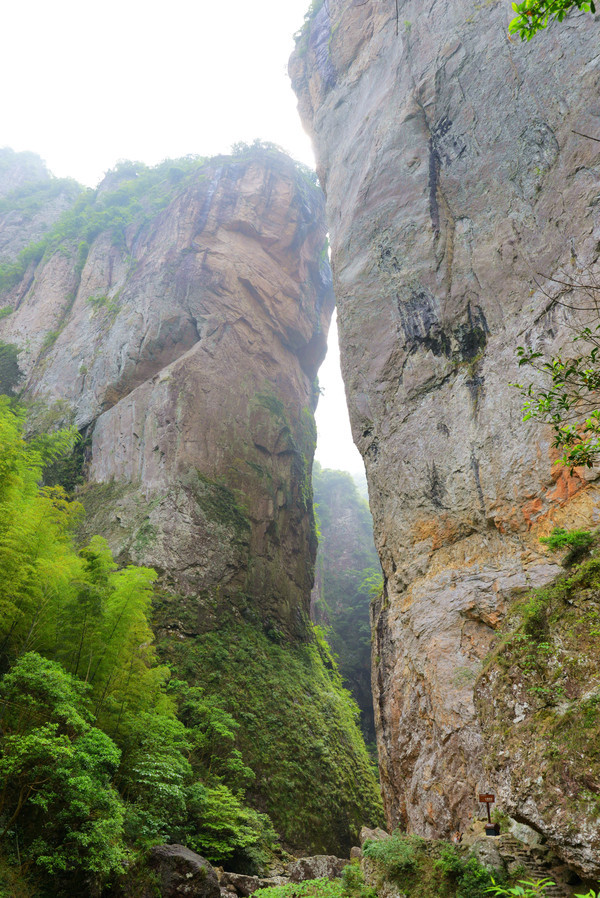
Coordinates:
<point>185,346</point>
<point>454,183</point>
<point>178,316</point>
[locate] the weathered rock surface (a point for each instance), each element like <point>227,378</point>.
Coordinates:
<point>452,176</point>
<point>321,866</point>
<point>243,885</point>
<point>316,867</point>
<point>185,349</point>
<point>538,700</point>
<point>182,873</point>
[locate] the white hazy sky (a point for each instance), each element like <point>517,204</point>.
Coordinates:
<point>88,84</point>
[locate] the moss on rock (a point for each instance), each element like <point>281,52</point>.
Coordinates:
<point>298,728</point>
<point>538,700</point>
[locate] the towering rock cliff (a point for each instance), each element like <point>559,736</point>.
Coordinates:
<point>191,377</point>
<point>178,316</point>
<point>453,177</point>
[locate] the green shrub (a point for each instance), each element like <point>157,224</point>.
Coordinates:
<point>472,879</point>
<point>353,882</point>
<point>397,855</point>
<point>525,888</point>
<point>578,543</point>
<point>50,339</point>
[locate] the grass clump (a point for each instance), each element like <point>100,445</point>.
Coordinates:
<point>351,884</point>
<point>427,869</point>
<point>310,888</point>
<point>397,856</point>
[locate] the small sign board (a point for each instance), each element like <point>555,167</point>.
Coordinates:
<point>487,796</point>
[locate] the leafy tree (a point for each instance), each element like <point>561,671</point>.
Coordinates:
<point>534,15</point>
<point>153,778</point>
<point>212,734</point>
<point>221,827</point>
<point>569,403</point>
<point>56,769</point>
<point>99,630</point>
<point>37,560</point>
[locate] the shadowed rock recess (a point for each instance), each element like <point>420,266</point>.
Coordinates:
<point>178,316</point>
<point>452,177</point>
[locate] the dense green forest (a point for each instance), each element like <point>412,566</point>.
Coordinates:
<point>103,751</point>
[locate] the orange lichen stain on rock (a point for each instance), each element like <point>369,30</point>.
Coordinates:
<point>506,518</point>
<point>440,531</point>
<point>566,484</point>
<point>429,814</point>
<point>532,510</point>
<point>493,620</point>
<point>406,600</point>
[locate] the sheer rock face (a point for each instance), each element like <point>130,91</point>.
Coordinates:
<point>186,353</point>
<point>452,176</point>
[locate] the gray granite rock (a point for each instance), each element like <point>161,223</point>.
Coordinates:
<point>182,873</point>
<point>455,183</point>
<point>318,867</point>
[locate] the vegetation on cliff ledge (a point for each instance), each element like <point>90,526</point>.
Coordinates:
<point>538,698</point>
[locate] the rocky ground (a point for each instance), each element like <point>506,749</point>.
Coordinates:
<point>518,851</point>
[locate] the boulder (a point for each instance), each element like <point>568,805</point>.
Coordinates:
<point>318,867</point>
<point>370,835</point>
<point>242,885</point>
<point>182,873</point>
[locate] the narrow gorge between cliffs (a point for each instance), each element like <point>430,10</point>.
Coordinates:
<point>228,670</point>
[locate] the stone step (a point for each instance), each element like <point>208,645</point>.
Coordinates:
<point>514,852</point>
